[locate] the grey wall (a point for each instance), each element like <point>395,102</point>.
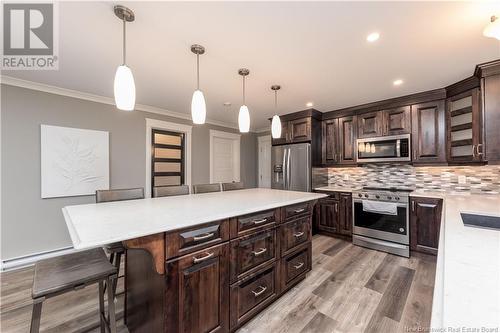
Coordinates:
<point>31,224</point>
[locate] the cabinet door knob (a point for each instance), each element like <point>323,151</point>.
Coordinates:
<point>200,259</point>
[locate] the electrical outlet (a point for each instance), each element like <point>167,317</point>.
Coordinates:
<point>462,179</point>
<point>346,176</point>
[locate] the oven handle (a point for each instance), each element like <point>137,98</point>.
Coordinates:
<point>399,204</point>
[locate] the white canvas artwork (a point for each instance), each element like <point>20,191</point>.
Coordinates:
<point>74,161</point>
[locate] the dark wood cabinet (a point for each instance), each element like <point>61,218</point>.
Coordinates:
<point>197,287</point>
<point>300,130</point>
<point>345,214</point>
<point>425,222</point>
<point>428,132</point>
<point>370,124</point>
<point>334,214</point>
<point>284,138</point>
<point>347,140</point>
<point>327,215</point>
<point>330,137</point>
<point>397,121</point>
<point>464,128</point>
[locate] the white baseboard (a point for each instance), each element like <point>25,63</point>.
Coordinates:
<point>24,261</point>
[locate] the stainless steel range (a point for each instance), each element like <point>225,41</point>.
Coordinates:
<point>381,219</point>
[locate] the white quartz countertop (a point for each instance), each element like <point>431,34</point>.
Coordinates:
<point>467,288</point>
<point>94,225</point>
<point>336,189</point>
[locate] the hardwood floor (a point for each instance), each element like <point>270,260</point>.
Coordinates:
<point>350,289</point>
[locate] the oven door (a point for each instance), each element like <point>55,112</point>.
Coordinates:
<point>393,228</point>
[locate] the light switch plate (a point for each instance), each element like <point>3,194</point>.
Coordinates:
<point>346,176</point>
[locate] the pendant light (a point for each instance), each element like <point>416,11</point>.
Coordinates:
<point>198,106</point>
<point>244,115</point>
<point>124,86</point>
<point>493,28</point>
<point>276,122</point>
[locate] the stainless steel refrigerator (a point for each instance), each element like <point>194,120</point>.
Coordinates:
<point>291,167</point>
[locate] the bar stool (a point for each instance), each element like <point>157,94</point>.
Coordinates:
<point>206,188</point>
<point>232,186</point>
<point>168,191</point>
<point>59,275</point>
<point>116,250</point>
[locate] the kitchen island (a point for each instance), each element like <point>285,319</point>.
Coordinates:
<point>205,262</point>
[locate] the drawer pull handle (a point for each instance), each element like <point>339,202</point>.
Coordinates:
<point>261,251</point>
<point>257,293</point>
<point>204,236</point>
<point>197,260</point>
<point>299,234</point>
<point>259,221</point>
<point>300,210</point>
<point>299,265</point>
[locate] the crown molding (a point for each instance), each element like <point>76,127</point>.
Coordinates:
<point>12,81</point>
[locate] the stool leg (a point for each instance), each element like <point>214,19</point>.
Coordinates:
<point>102,314</point>
<point>112,261</point>
<point>35,316</point>
<point>118,261</point>
<point>111,305</point>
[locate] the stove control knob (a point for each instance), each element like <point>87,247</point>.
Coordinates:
<point>401,230</point>
<point>360,195</point>
<point>397,198</point>
<point>377,196</point>
<point>366,195</point>
<point>389,198</point>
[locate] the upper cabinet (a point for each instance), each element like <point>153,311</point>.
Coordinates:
<point>397,121</point>
<point>428,132</point>
<point>330,137</point>
<point>347,140</point>
<point>464,127</point>
<point>370,125</point>
<point>300,130</point>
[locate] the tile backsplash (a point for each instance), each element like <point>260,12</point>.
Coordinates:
<point>472,179</point>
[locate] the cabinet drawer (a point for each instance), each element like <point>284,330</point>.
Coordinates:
<point>250,295</point>
<point>291,212</point>
<point>294,266</point>
<point>252,222</point>
<point>295,233</point>
<point>251,251</point>
<point>195,238</point>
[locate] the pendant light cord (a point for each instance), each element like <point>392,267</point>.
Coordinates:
<point>124,42</point>
<point>198,71</point>
<point>244,90</point>
<point>276,99</point>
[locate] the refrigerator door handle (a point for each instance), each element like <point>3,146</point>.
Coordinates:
<point>289,168</point>
<point>284,169</point>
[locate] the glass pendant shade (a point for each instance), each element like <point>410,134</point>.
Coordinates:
<point>276,127</point>
<point>124,89</point>
<point>244,119</point>
<point>198,107</point>
<point>493,28</point>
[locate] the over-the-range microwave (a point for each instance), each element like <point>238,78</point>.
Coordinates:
<point>395,148</point>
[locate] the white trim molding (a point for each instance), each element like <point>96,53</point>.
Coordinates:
<point>173,127</point>
<point>236,157</point>
<point>12,81</point>
<point>262,139</point>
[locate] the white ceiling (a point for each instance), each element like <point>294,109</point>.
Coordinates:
<point>316,51</point>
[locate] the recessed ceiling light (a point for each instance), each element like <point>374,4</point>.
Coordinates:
<point>227,104</point>
<point>373,37</point>
<point>398,82</point>
<point>309,104</point>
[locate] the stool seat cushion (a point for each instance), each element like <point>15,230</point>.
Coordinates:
<point>58,274</point>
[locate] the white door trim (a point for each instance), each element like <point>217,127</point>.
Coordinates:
<point>173,127</point>
<point>261,140</point>
<point>236,161</point>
